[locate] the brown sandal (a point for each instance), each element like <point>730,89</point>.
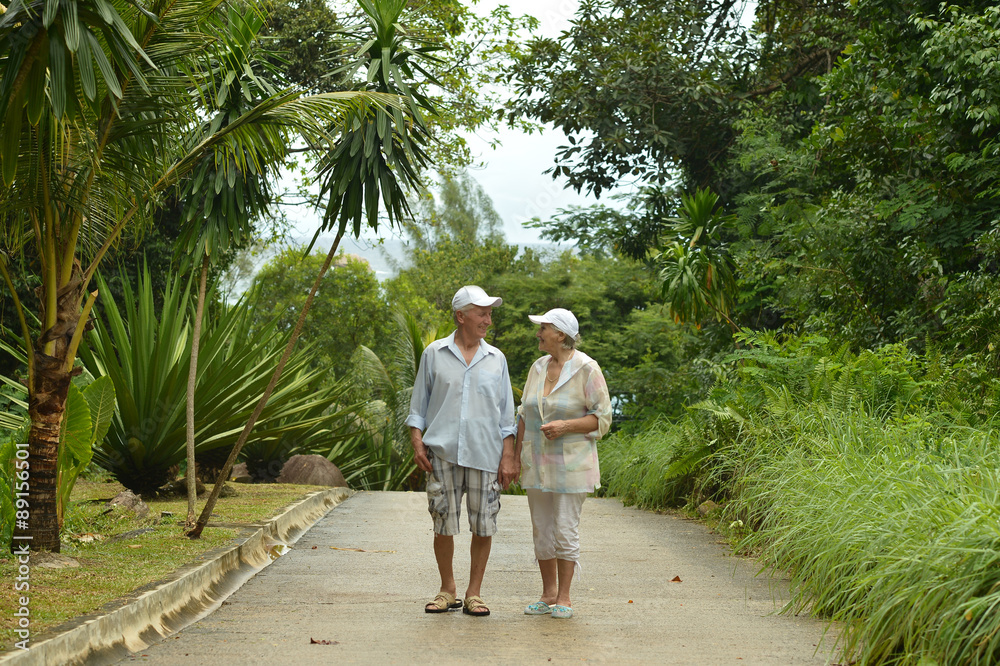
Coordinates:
<point>443,603</point>
<point>475,606</point>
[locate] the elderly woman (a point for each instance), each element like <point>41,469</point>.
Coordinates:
<point>565,409</point>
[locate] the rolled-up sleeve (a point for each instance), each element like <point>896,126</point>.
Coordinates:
<point>420,397</point>
<point>598,401</point>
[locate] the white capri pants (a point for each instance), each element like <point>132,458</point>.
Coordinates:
<point>555,524</point>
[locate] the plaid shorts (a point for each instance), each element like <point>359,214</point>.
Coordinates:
<point>445,485</point>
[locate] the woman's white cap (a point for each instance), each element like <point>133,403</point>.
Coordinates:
<point>473,295</point>
<point>561,319</point>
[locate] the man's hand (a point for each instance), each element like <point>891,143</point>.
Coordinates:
<point>510,469</point>
<point>420,450</point>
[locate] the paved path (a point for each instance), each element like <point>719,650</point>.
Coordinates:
<point>370,602</point>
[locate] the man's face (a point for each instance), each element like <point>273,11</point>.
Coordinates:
<point>475,321</point>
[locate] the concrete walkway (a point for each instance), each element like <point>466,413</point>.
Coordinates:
<point>361,576</point>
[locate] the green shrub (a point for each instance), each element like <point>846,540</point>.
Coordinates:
<point>8,482</point>
<point>871,478</point>
<point>85,423</point>
<point>146,356</point>
<point>891,528</point>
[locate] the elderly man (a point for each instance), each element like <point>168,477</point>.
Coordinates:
<point>462,430</point>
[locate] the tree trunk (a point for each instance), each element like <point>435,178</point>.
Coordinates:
<point>47,392</point>
<point>206,512</point>
<point>39,525</point>
<point>192,477</point>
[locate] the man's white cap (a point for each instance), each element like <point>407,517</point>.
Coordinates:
<point>562,319</point>
<point>473,295</point>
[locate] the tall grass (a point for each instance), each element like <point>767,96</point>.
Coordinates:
<point>891,528</point>
<point>654,468</point>
<point>872,479</point>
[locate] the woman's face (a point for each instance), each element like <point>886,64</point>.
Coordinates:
<point>549,339</point>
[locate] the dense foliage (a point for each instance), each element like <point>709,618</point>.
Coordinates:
<point>856,144</point>
<point>853,148</point>
<point>349,310</point>
<point>797,310</point>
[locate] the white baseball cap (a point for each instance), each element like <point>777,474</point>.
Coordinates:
<point>473,295</point>
<point>562,319</point>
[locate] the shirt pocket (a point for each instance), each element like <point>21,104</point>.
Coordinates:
<point>578,456</point>
<point>527,459</point>
<point>489,385</point>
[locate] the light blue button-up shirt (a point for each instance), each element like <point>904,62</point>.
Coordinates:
<point>465,410</point>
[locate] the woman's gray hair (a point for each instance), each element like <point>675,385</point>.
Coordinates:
<point>568,342</point>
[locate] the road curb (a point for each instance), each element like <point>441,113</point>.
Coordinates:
<point>159,609</point>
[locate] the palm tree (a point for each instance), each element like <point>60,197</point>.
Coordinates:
<point>379,155</point>
<point>102,108</point>
<point>219,215</point>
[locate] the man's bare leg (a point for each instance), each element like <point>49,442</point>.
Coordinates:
<point>444,553</point>
<point>480,555</point>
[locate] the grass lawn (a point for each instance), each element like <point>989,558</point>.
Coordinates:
<point>112,566</point>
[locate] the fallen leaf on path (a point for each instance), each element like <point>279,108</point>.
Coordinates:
<point>315,547</point>
<point>630,601</point>
<point>676,579</point>
<point>313,641</point>
<point>361,550</point>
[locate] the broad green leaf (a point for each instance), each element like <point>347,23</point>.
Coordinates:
<point>49,13</point>
<point>36,88</point>
<point>75,441</point>
<point>100,397</point>
<point>71,25</point>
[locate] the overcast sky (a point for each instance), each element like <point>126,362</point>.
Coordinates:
<point>513,176</point>
<point>513,172</point>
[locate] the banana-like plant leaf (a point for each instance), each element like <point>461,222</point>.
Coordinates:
<point>100,395</point>
<point>75,450</point>
<point>77,428</point>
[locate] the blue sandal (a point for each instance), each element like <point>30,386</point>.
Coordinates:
<point>537,608</point>
<point>562,612</point>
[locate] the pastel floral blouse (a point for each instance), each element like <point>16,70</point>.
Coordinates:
<point>567,464</point>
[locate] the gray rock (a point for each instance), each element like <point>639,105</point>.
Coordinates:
<point>707,507</point>
<point>129,500</point>
<point>178,488</point>
<point>240,474</point>
<point>311,470</point>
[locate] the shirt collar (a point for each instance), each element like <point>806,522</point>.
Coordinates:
<point>570,368</point>
<point>453,346</point>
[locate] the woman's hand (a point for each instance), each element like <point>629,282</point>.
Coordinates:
<point>555,429</point>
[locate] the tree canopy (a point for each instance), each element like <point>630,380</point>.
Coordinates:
<point>855,143</point>
<point>348,311</point>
